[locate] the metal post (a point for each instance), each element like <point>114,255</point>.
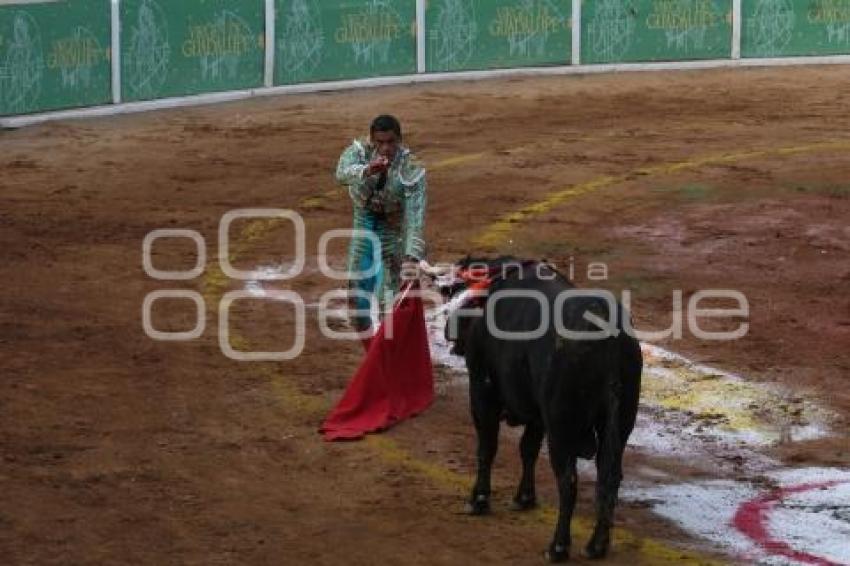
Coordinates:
<point>576,21</point>
<point>115,50</point>
<point>268,74</point>
<point>420,36</point>
<point>736,29</point>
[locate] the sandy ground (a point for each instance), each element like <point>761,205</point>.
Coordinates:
<point>120,449</point>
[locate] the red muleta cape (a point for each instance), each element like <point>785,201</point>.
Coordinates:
<point>395,381</point>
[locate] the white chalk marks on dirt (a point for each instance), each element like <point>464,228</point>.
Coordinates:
<point>22,65</point>
<point>771,27</point>
<point>148,56</point>
<point>722,424</point>
<point>611,31</point>
<point>301,40</point>
<point>789,516</point>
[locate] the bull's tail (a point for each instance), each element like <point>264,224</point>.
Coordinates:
<point>631,368</point>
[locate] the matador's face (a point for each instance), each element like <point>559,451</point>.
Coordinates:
<point>386,143</point>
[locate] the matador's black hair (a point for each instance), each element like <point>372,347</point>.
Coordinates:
<point>386,123</point>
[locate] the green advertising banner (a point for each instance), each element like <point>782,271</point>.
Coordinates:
<point>616,31</point>
<point>173,48</point>
<point>779,28</point>
<point>54,55</point>
<point>465,35</point>
<point>319,40</point>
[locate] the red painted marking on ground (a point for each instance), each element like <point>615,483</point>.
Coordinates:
<point>751,519</point>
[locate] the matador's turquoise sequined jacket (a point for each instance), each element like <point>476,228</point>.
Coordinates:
<point>395,214</point>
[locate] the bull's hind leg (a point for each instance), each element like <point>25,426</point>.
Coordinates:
<point>486,411</point>
<point>609,474</point>
<point>564,465</point>
<point>529,450</point>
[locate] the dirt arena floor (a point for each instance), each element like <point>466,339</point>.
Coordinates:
<point>120,449</point>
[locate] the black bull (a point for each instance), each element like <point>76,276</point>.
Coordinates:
<point>581,394</point>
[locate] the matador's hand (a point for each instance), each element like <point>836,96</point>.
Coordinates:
<point>377,165</point>
<point>410,270</point>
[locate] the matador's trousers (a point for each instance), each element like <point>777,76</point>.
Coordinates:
<point>379,269</point>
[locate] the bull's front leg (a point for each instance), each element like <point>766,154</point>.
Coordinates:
<point>529,450</point>
<point>563,462</point>
<point>486,412</point>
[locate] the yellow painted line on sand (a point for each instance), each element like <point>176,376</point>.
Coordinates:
<point>318,201</point>
<point>496,234</point>
<point>457,160</point>
<point>215,281</point>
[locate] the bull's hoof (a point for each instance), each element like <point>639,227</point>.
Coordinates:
<point>598,546</point>
<point>524,502</point>
<point>480,505</point>
<point>557,553</point>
